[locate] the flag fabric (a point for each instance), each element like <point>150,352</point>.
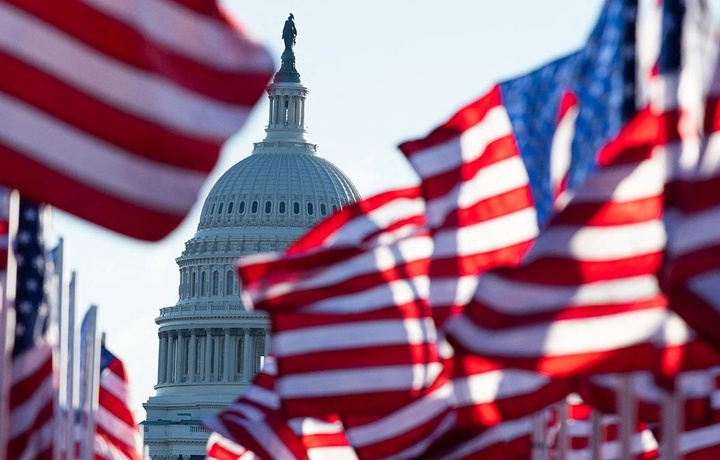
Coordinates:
<point>351,326</point>
<point>31,398</point>
<point>127,142</point>
<point>116,433</point>
<point>253,427</point>
<point>487,174</point>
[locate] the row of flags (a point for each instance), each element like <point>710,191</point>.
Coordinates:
<point>563,235</point>
<point>558,260</point>
<point>41,418</point>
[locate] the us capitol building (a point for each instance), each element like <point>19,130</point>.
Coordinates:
<point>210,346</point>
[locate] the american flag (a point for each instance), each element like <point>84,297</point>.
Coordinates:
<point>487,173</point>
<point>31,399</point>
<point>116,433</point>
<point>119,108</point>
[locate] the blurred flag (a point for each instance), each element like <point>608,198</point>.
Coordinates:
<point>31,398</point>
<point>492,173</point>
<point>116,110</point>
<point>253,427</point>
<point>351,327</point>
<point>116,433</point>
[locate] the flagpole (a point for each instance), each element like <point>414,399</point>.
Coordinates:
<point>7,321</point>
<point>91,382</point>
<point>60,319</point>
<point>626,413</point>
<point>672,421</point>
<point>596,437</point>
<point>72,366</point>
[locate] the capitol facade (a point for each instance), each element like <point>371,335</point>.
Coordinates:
<point>211,347</point>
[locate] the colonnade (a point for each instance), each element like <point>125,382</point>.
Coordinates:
<point>205,355</point>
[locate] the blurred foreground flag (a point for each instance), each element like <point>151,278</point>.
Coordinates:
<point>494,171</point>
<point>115,111</point>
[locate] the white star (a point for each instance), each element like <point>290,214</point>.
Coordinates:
<point>25,307</point>
<point>32,285</point>
<point>30,214</point>
<point>23,237</point>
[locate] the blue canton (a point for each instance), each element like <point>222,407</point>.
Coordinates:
<point>30,307</point>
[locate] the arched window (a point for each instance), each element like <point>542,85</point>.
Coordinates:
<point>221,357</point>
<point>220,208</point>
<point>216,283</point>
<point>310,209</point>
<point>241,208</point>
<point>212,209</point>
<point>229,277</point>
<point>203,284</point>
<point>254,207</point>
<point>268,207</point>
<point>296,208</point>
<point>282,207</point>
<point>230,207</point>
<point>323,209</point>
<point>193,284</point>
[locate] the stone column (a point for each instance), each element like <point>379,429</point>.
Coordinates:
<point>162,357</point>
<point>216,357</point>
<point>247,356</point>
<point>208,349</point>
<point>192,363</point>
<point>226,356</point>
<point>179,348</point>
<point>169,361</point>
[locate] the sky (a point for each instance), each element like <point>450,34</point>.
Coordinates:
<point>379,72</point>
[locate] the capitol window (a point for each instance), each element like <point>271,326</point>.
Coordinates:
<point>296,208</point>
<point>230,207</point>
<point>310,209</point>
<point>323,209</point>
<point>220,208</point>
<point>215,283</point>
<point>254,207</point>
<point>268,207</point>
<point>229,282</point>
<point>241,208</point>
<point>282,207</point>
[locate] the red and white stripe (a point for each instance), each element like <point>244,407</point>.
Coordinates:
<point>31,404</point>
<point>351,326</point>
<point>252,427</point>
<point>119,108</point>
<point>116,433</point>
<point>479,204</point>
<point>371,220</point>
<point>592,270</point>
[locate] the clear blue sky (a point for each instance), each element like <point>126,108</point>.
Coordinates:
<point>379,72</point>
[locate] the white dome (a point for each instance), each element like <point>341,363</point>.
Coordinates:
<point>282,184</point>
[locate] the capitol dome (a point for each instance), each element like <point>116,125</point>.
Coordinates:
<point>211,346</point>
<point>282,184</point>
